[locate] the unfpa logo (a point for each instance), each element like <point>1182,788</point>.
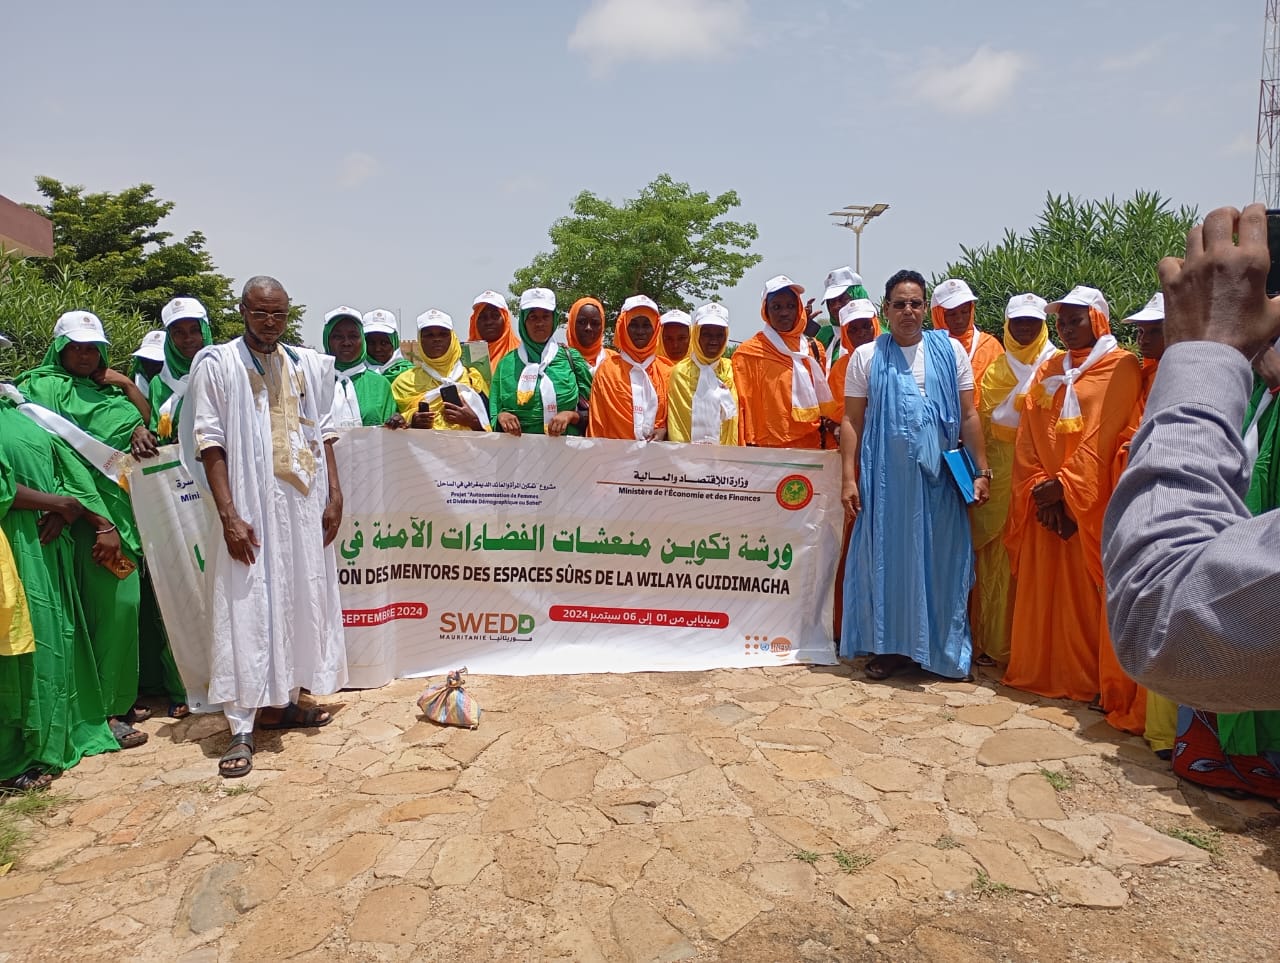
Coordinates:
<point>755,644</point>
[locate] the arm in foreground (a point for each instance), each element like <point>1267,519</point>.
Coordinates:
<point>1193,581</point>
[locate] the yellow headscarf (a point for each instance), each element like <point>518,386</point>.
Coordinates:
<point>683,385</point>
<point>428,374</point>
<point>1000,378</point>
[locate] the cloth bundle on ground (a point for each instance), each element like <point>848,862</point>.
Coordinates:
<point>449,704</point>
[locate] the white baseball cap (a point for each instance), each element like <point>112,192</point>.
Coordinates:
<point>380,321</point>
<point>1085,297</point>
<point>84,326</point>
<point>639,301</point>
<point>676,317</point>
<point>152,347</point>
<point>434,318</point>
<point>538,298</point>
<point>1026,306</point>
<point>490,297</point>
<point>857,309</point>
<point>951,293</point>
<point>183,309</point>
<point>343,311</point>
<point>1154,311</point>
<point>778,282</point>
<point>839,281</point>
<point>714,313</point>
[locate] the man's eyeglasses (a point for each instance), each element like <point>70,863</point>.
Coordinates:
<point>279,317</point>
<point>914,304</point>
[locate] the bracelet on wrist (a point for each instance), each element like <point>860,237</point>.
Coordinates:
<point>103,531</point>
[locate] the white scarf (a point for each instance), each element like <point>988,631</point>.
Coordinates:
<point>143,383</point>
<point>644,397</point>
<point>99,454</point>
<point>1070,403</point>
<point>1009,412</point>
<point>178,387</point>
<point>809,389</point>
<point>382,368</point>
<point>713,404</point>
<point>470,397</point>
<point>346,406</point>
<point>531,376</point>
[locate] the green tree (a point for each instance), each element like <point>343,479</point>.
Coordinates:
<point>31,299</point>
<point>1107,244</point>
<point>669,242</point>
<point>115,241</point>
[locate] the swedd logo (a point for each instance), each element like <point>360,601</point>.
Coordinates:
<point>486,623</point>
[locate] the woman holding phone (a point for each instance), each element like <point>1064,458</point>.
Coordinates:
<point>439,391</point>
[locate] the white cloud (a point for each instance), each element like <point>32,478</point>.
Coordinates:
<point>1241,146</point>
<point>612,32</point>
<point>356,168</point>
<point>980,84</point>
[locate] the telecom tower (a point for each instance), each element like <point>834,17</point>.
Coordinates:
<point>1266,176</point>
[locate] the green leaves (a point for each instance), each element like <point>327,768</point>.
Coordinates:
<point>669,242</point>
<point>1108,244</point>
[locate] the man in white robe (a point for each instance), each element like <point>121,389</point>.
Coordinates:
<point>261,446</point>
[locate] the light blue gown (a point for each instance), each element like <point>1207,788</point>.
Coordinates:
<point>910,562</point>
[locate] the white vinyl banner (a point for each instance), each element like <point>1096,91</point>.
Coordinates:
<point>545,555</point>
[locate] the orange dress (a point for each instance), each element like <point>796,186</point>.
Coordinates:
<point>763,376</point>
<point>612,405</point>
<point>1127,703</point>
<point>989,348</point>
<point>1059,611</point>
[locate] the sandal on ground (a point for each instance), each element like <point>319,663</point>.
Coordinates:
<point>139,713</point>
<point>33,780</point>
<point>295,716</point>
<point>983,659</point>
<point>1096,706</point>
<point>237,761</point>
<point>883,666</point>
<point>178,710</point>
<point>126,735</point>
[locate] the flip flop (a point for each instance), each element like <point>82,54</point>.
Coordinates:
<point>179,710</point>
<point>139,713</point>
<point>126,735</point>
<point>296,717</point>
<point>240,750</point>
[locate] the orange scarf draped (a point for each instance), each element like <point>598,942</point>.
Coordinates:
<point>505,342</point>
<point>612,406</point>
<point>591,353</point>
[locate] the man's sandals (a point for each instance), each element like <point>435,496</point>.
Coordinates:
<point>237,761</point>
<point>881,667</point>
<point>294,716</point>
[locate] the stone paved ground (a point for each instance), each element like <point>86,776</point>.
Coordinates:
<point>652,817</point>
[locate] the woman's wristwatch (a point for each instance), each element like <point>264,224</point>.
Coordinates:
<point>986,473</point>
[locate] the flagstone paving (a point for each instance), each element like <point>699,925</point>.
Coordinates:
<point>778,814</point>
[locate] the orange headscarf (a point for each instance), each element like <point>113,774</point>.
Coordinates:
<point>505,342</point>
<point>590,352</point>
<point>613,402</point>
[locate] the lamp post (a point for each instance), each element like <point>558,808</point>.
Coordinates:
<point>856,217</point>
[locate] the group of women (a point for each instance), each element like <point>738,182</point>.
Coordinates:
<point>1046,429</point>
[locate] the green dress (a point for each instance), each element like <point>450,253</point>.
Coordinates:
<point>568,372</point>
<point>1253,733</point>
<point>373,390</point>
<point>51,711</point>
<point>111,605</point>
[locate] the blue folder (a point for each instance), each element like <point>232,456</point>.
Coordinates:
<point>963,472</point>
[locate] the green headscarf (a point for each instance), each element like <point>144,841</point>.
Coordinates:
<point>179,364</point>
<point>567,372</point>
<point>102,411</point>
<point>364,348</point>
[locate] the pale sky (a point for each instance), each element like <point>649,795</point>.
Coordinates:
<point>410,155</point>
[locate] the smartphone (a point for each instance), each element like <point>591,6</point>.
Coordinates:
<point>450,396</point>
<point>424,407</point>
<point>1273,242</point>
